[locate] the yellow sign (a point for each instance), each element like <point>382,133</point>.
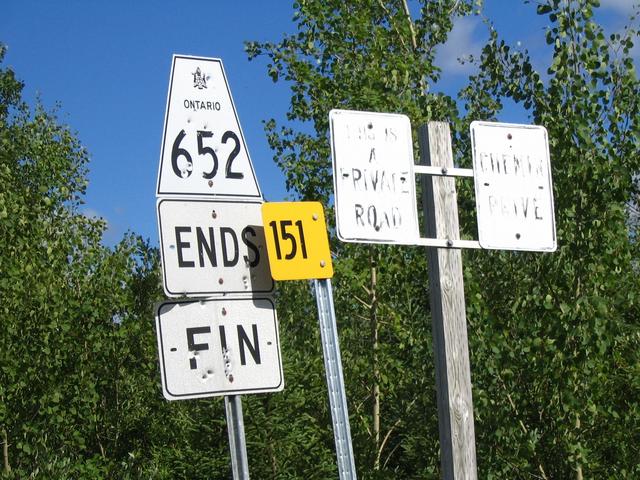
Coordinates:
<point>297,243</point>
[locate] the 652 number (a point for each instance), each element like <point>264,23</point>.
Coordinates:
<point>288,236</point>
<point>185,170</point>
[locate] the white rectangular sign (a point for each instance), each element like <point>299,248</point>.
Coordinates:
<point>514,191</point>
<point>212,247</point>
<point>218,347</point>
<point>203,148</point>
<point>373,177</point>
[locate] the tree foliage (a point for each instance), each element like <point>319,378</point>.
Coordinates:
<point>553,337</point>
<point>376,56</point>
<point>77,357</point>
<point>80,389</point>
<point>563,351</point>
<point>80,392</point>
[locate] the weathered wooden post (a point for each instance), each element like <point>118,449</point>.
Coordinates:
<point>451,351</point>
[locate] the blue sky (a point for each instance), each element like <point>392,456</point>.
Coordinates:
<point>108,65</point>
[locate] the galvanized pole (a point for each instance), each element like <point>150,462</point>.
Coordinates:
<point>451,350</point>
<point>237,442</point>
<point>335,380</point>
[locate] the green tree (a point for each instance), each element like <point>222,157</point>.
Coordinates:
<point>378,56</point>
<point>80,393</point>
<point>78,358</point>
<point>553,337</point>
<point>562,361</point>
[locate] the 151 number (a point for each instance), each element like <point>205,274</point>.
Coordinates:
<point>185,170</point>
<point>285,235</point>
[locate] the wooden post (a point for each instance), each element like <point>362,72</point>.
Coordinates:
<point>451,351</point>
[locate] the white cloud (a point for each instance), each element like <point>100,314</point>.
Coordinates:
<point>461,45</point>
<point>625,7</point>
<point>623,10</point>
<point>93,214</point>
<point>112,232</point>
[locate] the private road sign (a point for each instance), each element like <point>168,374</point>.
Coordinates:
<point>373,177</point>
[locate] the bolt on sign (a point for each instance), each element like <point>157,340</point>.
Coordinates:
<point>218,347</point>
<point>203,148</point>
<point>212,247</point>
<point>297,242</point>
<point>374,181</point>
<point>514,194</point>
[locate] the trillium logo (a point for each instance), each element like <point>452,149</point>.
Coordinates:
<point>199,80</point>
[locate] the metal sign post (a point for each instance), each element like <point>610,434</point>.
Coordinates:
<point>237,442</point>
<point>335,381</point>
<point>298,246</point>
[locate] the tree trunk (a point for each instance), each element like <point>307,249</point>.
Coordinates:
<point>578,466</point>
<point>373,315</point>
<point>5,452</point>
